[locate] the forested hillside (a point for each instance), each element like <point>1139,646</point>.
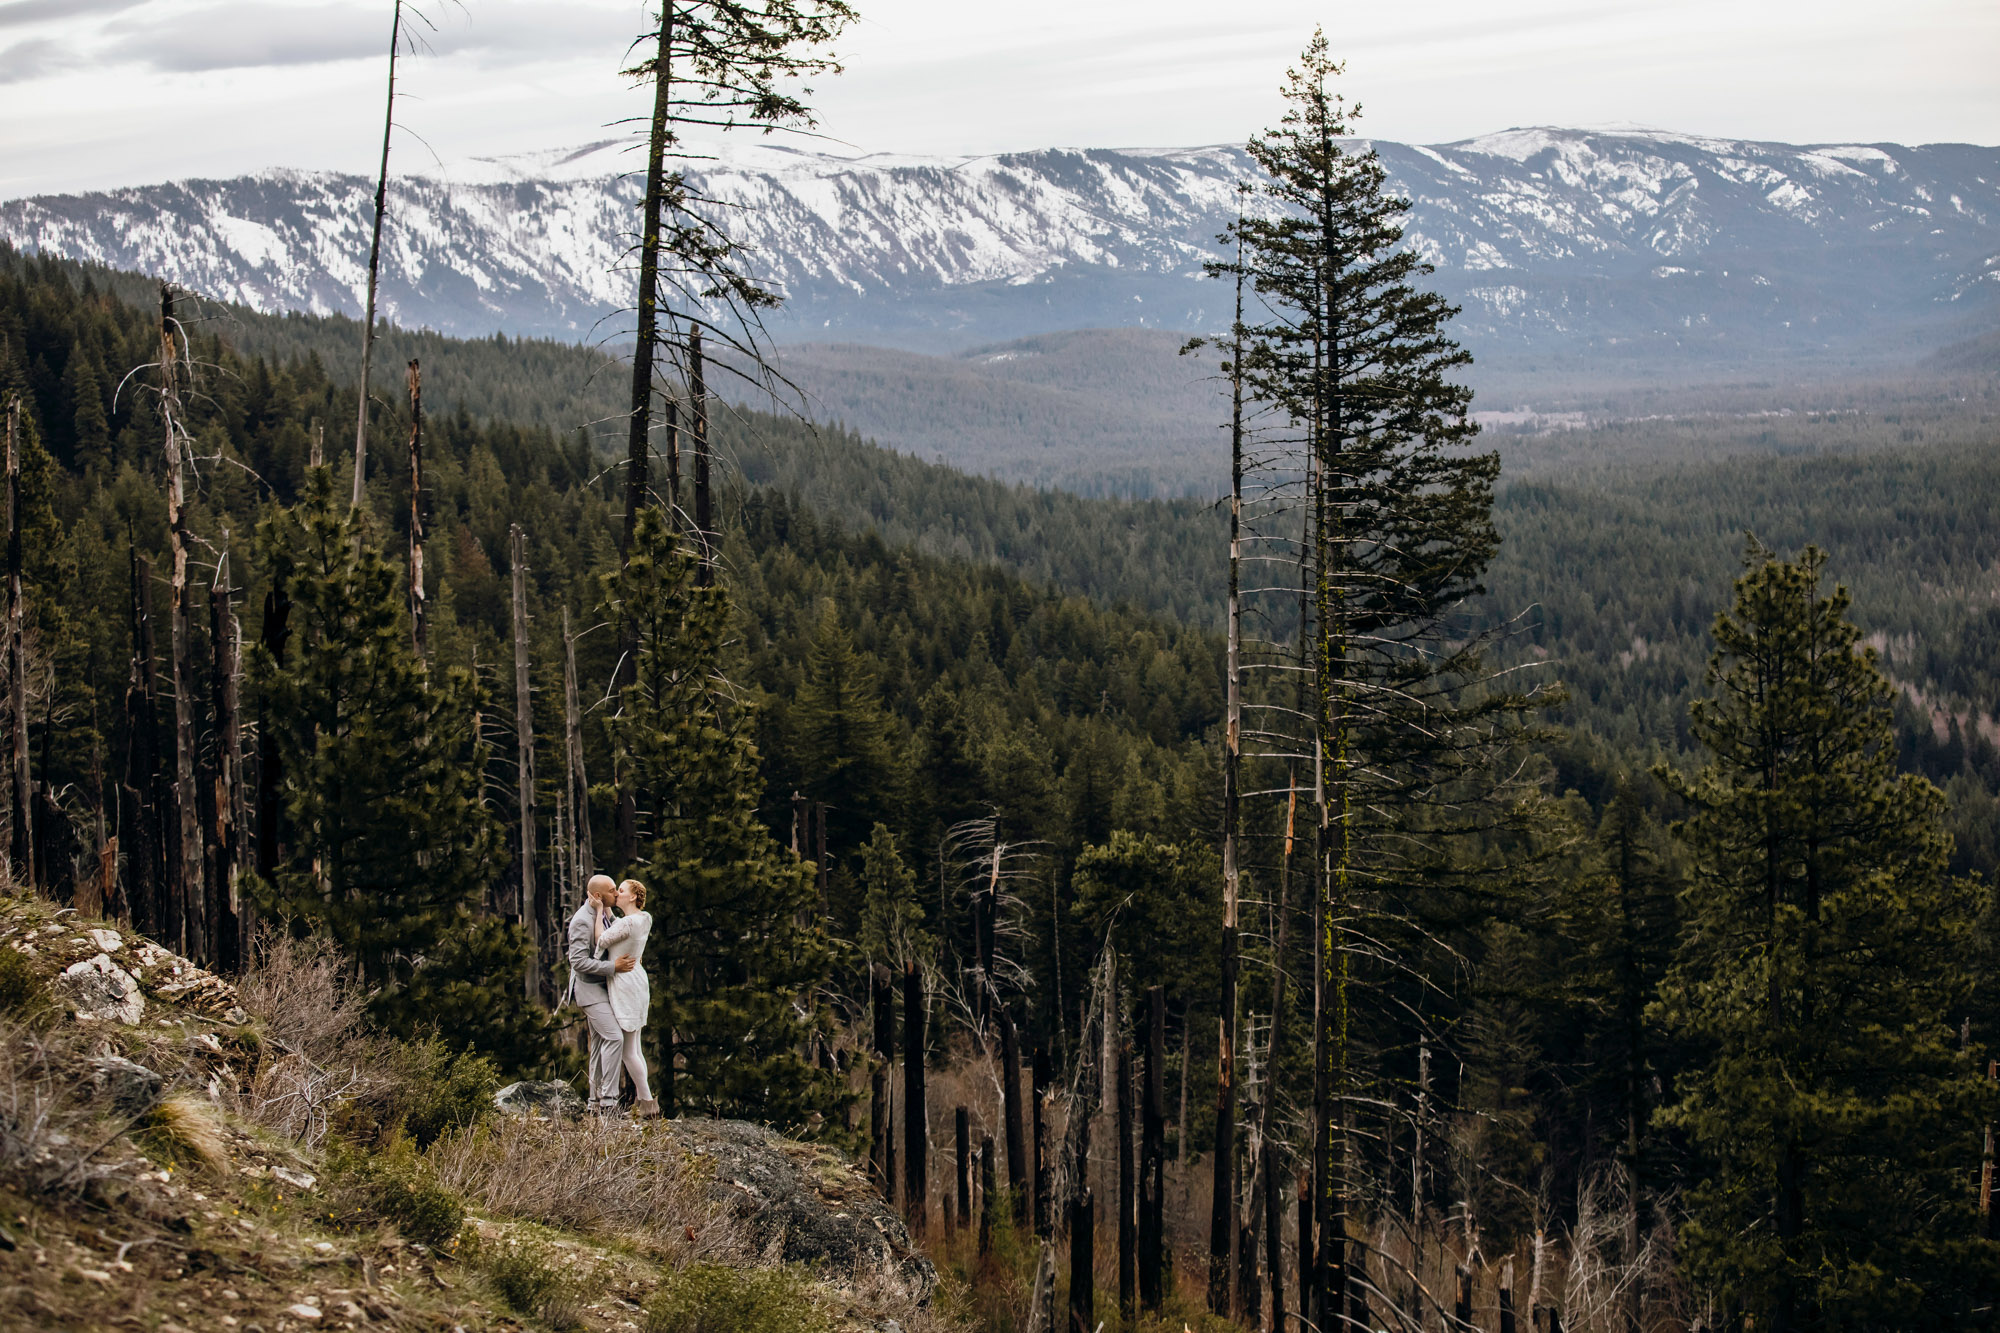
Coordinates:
<point>963,688</point>
<point>914,651</point>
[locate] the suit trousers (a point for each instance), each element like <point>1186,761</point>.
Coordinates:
<point>606,1047</point>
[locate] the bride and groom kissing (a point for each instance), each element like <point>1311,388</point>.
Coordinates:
<point>607,982</point>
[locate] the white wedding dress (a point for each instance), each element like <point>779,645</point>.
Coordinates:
<point>631,993</point>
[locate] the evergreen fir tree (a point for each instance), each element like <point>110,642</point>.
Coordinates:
<point>842,737</point>
<point>732,964</point>
<point>1401,716</point>
<point>387,844</point>
<point>1822,964</point>
<point>892,912</point>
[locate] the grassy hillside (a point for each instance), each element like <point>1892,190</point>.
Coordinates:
<point>251,1154</point>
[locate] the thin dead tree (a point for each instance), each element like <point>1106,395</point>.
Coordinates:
<point>22,842</point>
<point>880,1137</point>
<point>1224,1231</point>
<point>375,254</point>
<point>583,858</point>
<point>193,929</point>
<point>418,634</point>
<point>225,843</point>
<point>142,802</point>
<point>524,742</point>
<point>275,636</point>
<point>916,1117</point>
<point>704,517</point>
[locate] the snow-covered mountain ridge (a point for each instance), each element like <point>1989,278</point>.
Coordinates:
<point>1556,242</point>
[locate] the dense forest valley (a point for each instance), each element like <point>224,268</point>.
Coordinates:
<point>961,673</point>
<point>1464,864</point>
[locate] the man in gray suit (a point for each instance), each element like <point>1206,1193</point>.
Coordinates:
<point>588,971</point>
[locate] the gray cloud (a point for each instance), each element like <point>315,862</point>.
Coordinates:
<point>35,11</point>
<point>242,35</point>
<point>34,58</point>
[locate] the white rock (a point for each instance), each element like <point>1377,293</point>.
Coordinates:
<point>302,1311</point>
<point>323,1246</point>
<point>110,941</point>
<point>98,988</point>
<point>296,1179</point>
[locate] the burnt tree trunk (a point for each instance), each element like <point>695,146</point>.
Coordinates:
<point>1083,1264</point>
<point>142,835</point>
<point>1128,1192</point>
<point>1010,1094</point>
<point>671,414</point>
<point>276,637</point>
<point>226,845</point>
<point>1274,1236</point>
<point>704,518</point>
<point>21,842</point>
<point>962,1128</point>
<point>584,858</point>
<point>1308,1261</point>
<point>882,1001</point>
<point>638,438</point>
<point>1153,1155</point>
<point>1223,1251</point>
<point>193,929</point>
<point>529,904</point>
<point>987,1190</point>
<point>916,1120</point>
<point>419,634</point>
<point>1044,1163</point>
<point>375,261</point>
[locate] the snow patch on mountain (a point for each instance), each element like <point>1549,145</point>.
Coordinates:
<point>1548,237</point>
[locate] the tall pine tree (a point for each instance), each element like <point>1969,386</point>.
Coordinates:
<point>1823,961</point>
<point>1402,724</point>
<point>387,846</point>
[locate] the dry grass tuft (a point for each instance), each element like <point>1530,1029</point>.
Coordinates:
<point>305,993</point>
<point>586,1176</point>
<point>185,1129</point>
<point>321,1055</point>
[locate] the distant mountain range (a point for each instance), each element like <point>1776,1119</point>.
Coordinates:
<point>1571,251</point>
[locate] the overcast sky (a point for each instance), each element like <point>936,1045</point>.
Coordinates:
<point>97,93</point>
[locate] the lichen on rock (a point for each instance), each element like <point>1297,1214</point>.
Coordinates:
<point>804,1204</point>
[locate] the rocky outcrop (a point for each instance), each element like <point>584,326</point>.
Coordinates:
<point>803,1203</point>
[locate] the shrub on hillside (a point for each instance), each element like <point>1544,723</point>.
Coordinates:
<point>714,1298</point>
<point>24,996</point>
<point>394,1187</point>
<point>525,1277</point>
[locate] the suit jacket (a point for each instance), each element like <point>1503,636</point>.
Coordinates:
<point>588,970</point>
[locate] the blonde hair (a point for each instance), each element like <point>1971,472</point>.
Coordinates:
<point>638,893</point>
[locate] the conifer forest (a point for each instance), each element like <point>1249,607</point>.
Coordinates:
<point>1452,879</point>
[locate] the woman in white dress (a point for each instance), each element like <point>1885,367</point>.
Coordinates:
<point>631,993</point>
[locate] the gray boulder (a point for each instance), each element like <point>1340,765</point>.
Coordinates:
<point>803,1203</point>
<point>129,1088</point>
<point>553,1098</point>
<point>98,989</point>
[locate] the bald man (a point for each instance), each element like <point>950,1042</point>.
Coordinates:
<point>589,969</point>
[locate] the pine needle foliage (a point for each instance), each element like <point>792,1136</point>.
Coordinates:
<point>1824,958</point>
<point>388,845</point>
<point>892,912</point>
